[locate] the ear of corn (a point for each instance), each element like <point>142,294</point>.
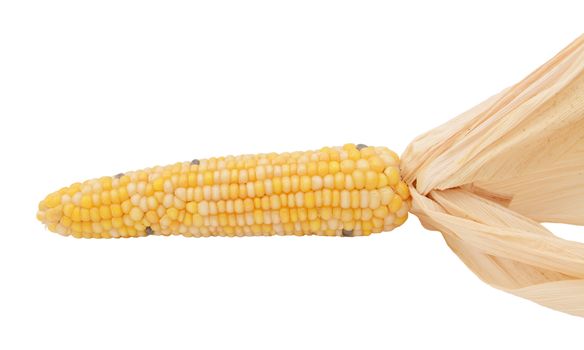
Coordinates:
<point>352,190</point>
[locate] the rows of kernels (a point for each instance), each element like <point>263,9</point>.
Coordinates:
<point>345,190</point>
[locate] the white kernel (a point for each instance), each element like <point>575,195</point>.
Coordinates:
<point>143,204</point>
<point>207,192</point>
<point>168,200</point>
<point>345,199</point>
<point>268,186</point>
<point>131,188</point>
<point>212,208</point>
<point>364,202</point>
<point>316,183</point>
<point>329,181</point>
<point>362,164</point>
<point>250,189</point>
<point>269,171</point>
<point>374,199</point>
<point>225,176</point>
<point>204,208</point>
<point>77,198</point>
<point>299,199</point>
<point>181,193</point>
<point>190,194</point>
<point>168,186</point>
<point>260,172</point>
<point>67,198</point>
<point>389,219</point>
<point>403,210</point>
<point>135,199</point>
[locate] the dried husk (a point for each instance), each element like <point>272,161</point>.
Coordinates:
<point>487,178</point>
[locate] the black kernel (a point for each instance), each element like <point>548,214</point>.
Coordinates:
<point>149,231</point>
<point>347,233</point>
<point>117,176</point>
<point>195,162</point>
<point>361,146</point>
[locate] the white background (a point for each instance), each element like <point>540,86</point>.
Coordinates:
<point>96,88</point>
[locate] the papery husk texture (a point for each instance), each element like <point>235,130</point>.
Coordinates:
<point>488,178</point>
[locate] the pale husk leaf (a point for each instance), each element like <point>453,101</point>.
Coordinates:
<point>486,178</point>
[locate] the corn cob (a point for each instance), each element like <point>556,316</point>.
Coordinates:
<point>352,190</point>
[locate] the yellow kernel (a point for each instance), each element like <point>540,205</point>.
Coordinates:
<point>192,179</point>
<point>392,174</point>
<point>358,179</point>
<point>94,214</point>
<point>367,152</point>
<point>172,213</point>
<point>86,227</point>
<point>312,168</point>
<point>123,193</point>
<point>371,180</point>
<point>349,225</point>
<point>188,220</point>
<point>106,224</point>
<point>86,201</point>
<point>366,228</point>
<point>258,216</point>
<point>136,214</point>
<point>52,200</point>
<point>124,180</point>
<point>381,212</point>
<point>346,215</point>
<point>106,198</point>
<point>208,178</point>
<point>322,168</point>
<point>277,185</point>
<point>309,199</point>
<point>315,226</point>
<point>68,209</point>
<point>65,221</point>
<point>106,183</point>
<point>85,215</point>
<point>400,220</point>
<point>115,197</point>
<point>305,183</point>
<point>104,212</point>
<point>403,190</point>
<point>76,214</point>
<point>395,204</point>
<point>339,181</point>
<point>151,216</point>
<point>116,210</point>
<point>76,227</point>
<point>347,166</point>
<point>158,184</point>
<point>192,207</point>
<point>284,215</point>
<point>382,180</point>
<point>334,167</point>
<point>117,222</point>
<point>376,164</point>
<point>354,154</point>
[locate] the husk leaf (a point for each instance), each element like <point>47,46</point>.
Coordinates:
<point>487,178</point>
